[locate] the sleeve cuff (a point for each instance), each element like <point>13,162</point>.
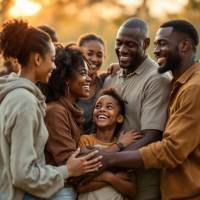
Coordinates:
<point>64,171</point>
<point>153,126</point>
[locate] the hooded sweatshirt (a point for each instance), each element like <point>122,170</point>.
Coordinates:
<point>23,136</point>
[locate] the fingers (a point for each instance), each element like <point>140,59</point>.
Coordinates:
<point>91,147</point>
<point>96,165</point>
<point>75,153</point>
<point>94,160</point>
<point>138,136</point>
<point>90,155</point>
<point>92,170</point>
<point>122,133</point>
<point>136,133</point>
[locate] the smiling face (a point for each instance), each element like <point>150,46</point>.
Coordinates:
<point>167,49</point>
<point>46,65</point>
<point>129,48</point>
<point>107,112</point>
<point>95,55</point>
<point>79,85</point>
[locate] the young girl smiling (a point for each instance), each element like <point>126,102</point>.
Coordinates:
<point>108,115</point>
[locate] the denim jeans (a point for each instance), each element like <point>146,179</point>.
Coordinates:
<point>68,193</point>
<point>31,197</point>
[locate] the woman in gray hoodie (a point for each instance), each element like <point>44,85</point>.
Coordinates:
<point>23,134</point>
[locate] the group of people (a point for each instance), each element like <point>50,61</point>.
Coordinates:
<point>69,131</point>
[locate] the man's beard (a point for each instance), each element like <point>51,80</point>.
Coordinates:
<point>173,60</point>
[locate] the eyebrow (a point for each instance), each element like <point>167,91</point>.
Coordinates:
<point>118,40</point>
<point>161,41</point>
<point>93,51</point>
<point>107,103</point>
<point>83,69</point>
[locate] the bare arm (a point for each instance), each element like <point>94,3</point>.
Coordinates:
<point>150,136</point>
<point>121,183</point>
<point>126,139</point>
<point>91,186</point>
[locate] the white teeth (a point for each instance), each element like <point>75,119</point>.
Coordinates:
<point>102,117</point>
<point>160,59</point>
<point>86,86</point>
<point>93,65</point>
<point>124,57</point>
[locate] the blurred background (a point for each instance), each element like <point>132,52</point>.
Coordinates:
<point>72,18</point>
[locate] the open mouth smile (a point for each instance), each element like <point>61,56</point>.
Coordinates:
<point>102,117</point>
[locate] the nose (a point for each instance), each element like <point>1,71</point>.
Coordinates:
<point>88,78</point>
<point>94,58</point>
<point>156,50</point>
<point>123,49</point>
<point>54,67</point>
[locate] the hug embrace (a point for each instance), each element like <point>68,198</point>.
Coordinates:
<point>140,139</point>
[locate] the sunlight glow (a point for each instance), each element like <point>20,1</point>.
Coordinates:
<point>162,8</point>
<point>24,8</point>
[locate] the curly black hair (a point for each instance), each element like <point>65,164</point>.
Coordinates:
<point>18,39</point>
<point>68,59</point>
<point>112,91</point>
<point>92,37</point>
<point>184,29</point>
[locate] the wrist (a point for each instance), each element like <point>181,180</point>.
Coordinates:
<point>121,146</point>
<point>109,177</point>
<point>70,171</point>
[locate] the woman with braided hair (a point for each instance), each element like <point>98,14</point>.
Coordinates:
<point>24,174</point>
<point>63,119</point>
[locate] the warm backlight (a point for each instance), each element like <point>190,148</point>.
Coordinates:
<point>24,8</point>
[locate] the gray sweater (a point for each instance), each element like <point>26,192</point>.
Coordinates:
<point>23,136</point>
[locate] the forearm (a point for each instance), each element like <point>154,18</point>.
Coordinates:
<point>127,188</point>
<point>149,137</point>
<point>129,159</point>
<point>91,186</point>
<point>111,149</point>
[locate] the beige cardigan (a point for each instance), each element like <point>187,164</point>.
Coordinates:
<point>23,136</point>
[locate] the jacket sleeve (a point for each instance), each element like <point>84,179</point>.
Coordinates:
<point>41,181</point>
<point>182,134</point>
<point>60,143</point>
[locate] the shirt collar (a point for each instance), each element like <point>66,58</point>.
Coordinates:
<point>185,76</point>
<point>139,70</point>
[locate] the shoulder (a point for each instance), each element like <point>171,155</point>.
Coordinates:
<point>111,81</point>
<point>101,78</point>
<point>56,110</point>
<point>22,99</point>
<point>86,137</point>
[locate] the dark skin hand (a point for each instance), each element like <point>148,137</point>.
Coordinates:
<point>128,158</point>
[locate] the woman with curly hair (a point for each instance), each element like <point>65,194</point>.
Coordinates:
<point>96,53</point>
<point>23,134</point>
<point>63,116</point>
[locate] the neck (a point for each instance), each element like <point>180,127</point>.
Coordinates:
<point>105,134</point>
<point>70,98</point>
<point>28,73</point>
<point>184,65</point>
<point>131,70</point>
<point>93,81</point>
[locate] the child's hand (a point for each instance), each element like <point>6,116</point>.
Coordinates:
<point>104,176</point>
<point>128,138</point>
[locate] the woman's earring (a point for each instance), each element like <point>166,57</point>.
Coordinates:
<point>38,64</point>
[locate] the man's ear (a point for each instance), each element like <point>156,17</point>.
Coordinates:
<point>146,43</point>
<point>185,45</point>
<point>120,119</point>
<point>37,59</point>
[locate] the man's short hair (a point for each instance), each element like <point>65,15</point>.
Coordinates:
<point>184,29</point>
<point>137,23</point>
